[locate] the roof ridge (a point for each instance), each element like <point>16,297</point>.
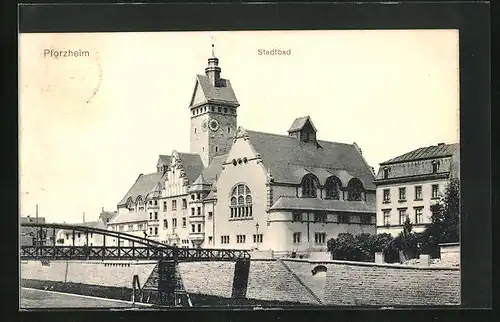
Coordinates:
<point>292,138</point>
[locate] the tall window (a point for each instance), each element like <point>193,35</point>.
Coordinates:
<point>418,193</point>
<point>165,223</point>
<point>184,203</point>
<point>156,230</point>
<point>151,230</point>
<point>150,216</point>
<point>402,216</point>
<point>241,239</point>
<point>164,206</point>
<point>199,228</point>
<point>435,166</point>
<point>174,222</point>
<point>296,238</point>
<point>355,190</point>
<point>193,211</point>
<point>419,217</point>
<point>156,215</point>
<point>309,186</point>
<point>198,211</point>
<point>343,219</point>
<point>184,221</point>
<point>192,228</point>
<point>386,195</point>
<point>210,215</point>
<point>402,194</point>
<point>435,191</point>
<point>319,238</point>
<point>240,202</point>
<point>174,204</point>
<point>224,239</point>
<point>387,217</point>
<point>332,188</point>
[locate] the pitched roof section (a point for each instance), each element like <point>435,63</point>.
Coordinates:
<point>144,184</point>
<point>212,172</point>
<point>130,217</point>
<point>300,122</point>
<point>288,160</point>
<point>434,151</point>
<point>192,165</point>
<point>164,160</point>
<point>214,94</point>
<point>106,216</point>
<point>294,203</point>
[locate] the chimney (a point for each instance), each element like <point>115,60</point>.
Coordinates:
<point>439,144</point>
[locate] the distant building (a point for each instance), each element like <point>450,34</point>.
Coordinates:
<point>409,184</point>
<point>244,189</point>
<point>28,235</point>
<point>68,237</point>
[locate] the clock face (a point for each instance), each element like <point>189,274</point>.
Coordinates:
<point>204,126</point>
<point>213,125</point>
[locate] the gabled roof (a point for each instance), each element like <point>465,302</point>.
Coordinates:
<point>429,152</point>
<point>144,184</point>
<point>192,165</point>
<point>300,122</point>
<point>215,94</point>
<point>164,160</point>
<point>130,217</point>
<point>294,203</point>
<point>212,172</point>
<point>288,160</point>
<point>106,216</point>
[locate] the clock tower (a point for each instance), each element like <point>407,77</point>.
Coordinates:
<point>213,113</point>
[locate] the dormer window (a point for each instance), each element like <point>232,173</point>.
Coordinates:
<point>386,173</point>
<point>435,166</point>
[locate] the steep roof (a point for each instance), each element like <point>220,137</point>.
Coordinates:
<point>212,172</point>
<point>144,184</point>
<point>130,217</point>
<point>106,216</point>
<point>288,160</point>
<point>164,160</point>
<point>192,165</point>
<point>216,94</point>
<point>429,152</point>
<point>294,203</point>
<point>300,122</point>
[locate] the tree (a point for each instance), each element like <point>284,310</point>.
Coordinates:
<point>445,220</point>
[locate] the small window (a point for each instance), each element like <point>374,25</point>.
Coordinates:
<point>219,109</point>
<point>198,211</point>
<point>296,238</point>
<point>192,211</point>
<point>435,166</point>
<point>165,223</point>
<point>210,239</point>
<point>366,220</point>
<point>319,238</point>
<point>164,206</point>
<point>344,219</point>
<point>225,109</point>
<point>228,130</point>
<point>386,196</point>
<point>199,228</point>
<point>386,173</point>
<point>216,149</point>
<point>297,217</point>
<point>174,222</point>
<point>387,217</point>
<point>418,193</point>
<point>156,230</point>
<point>402,194</point>
<point>435,191</point>
<point>184,203</point>
<point>184,222</point>
<point>257,238</point>
<point>402,216</point>
<point>174,204</point>
<point>150,216</point>
<point>419,217</point>
<point>192,228</point>
<point>241,239</point>
<point>213,109</point>
<point>210,215</point>
<point>156,215</point>
<point>198,196</point>
<point>151,230</point>
<point>319,217</point>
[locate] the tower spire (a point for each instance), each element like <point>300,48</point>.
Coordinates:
<point>213,70</point>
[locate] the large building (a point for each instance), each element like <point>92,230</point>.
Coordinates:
<point>409,184</point>
<point>238,188</point>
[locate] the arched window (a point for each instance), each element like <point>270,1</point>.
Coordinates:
<point>332,188</point>
<point>309,186</point>
<point>130,204</point>
<point>241,202</point>
<point>355,190</point>
<point>319,269</point>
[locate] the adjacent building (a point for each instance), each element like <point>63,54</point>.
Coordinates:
<point>69,237</point>
<point>239,188</point>
<point>409,184</point>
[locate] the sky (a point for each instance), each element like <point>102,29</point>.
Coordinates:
<point>89,125</point>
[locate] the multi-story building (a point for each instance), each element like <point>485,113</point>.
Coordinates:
<point>409,184</point>
<point>68,237</point>
<point>238,188</point>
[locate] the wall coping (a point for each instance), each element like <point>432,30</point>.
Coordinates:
<point>370,264</point>
<point>449,244</point>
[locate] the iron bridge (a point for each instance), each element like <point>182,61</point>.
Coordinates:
<point>139,248</point>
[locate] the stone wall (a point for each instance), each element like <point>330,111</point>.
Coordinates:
<point>107,273</point>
